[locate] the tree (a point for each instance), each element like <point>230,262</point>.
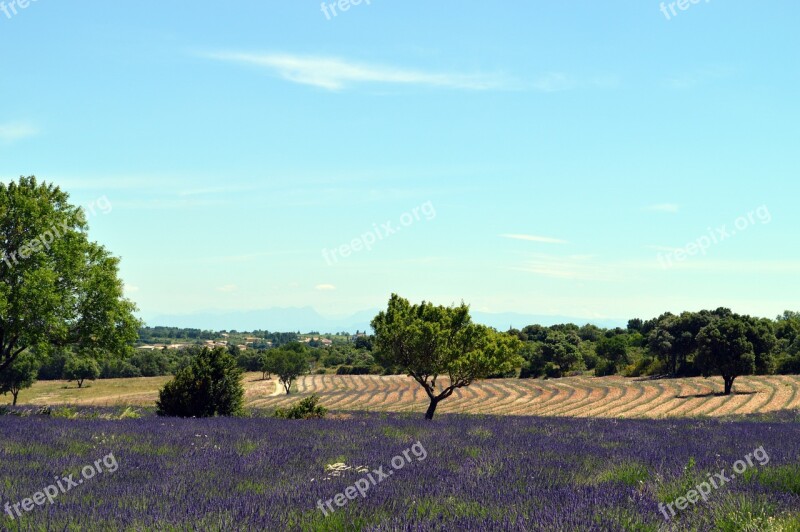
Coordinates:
<point>19,375</point>
<point>210,386</point>
<point>287,364</point>
<point>615,350</point>
<point>561,349</point>
<point>80,368</point>
<point>725,350</point>
<point>427,341</point>
<point>58,288</point>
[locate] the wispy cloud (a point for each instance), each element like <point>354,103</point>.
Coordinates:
<point>664,207</point>
<point>12,131</point>
<point>578,268</point>
<point>335,74</point>
<point>535,238</point>
<point>227,289</point>
<point>688,80</point>
<point>554,82</point>
<point>325,287</point>
<point>663,248</point>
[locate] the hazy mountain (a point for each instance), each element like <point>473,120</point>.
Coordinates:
<point>305,319</point>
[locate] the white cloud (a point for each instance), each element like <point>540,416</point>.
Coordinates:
<point>554,82</point>
<point>335,74</point>
<point>131,289</point>
<point>579,268</point>
<point>663,248</point>
<point>12,131</point>
<point>325,287</point>
<point>227,289</point>
<point>535,238</point>
<point>665,207</point>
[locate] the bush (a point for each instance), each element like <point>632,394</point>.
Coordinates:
<point>210,386</point>
<point>638,369</point>
<point>308,408</point>
<point>552,371</point>
<point>358,370</point>
<point>115,368</point>
<point>605,368</point>
<point>789,366</point>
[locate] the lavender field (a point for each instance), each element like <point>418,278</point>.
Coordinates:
<point>462,473</point>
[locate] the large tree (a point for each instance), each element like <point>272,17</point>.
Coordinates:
<point>726,350</point>
<point>58,288</point>
<point>427,341</point>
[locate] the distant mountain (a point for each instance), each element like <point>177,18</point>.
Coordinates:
<point>305,319</point>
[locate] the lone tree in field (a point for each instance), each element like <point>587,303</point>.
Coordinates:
<point>427,341</point>
<point>210,386</point>
<point>58,288</point>
<point>18,376</point>
<point>80,368</point>
<point>727,347</point>
<point>288,364</point>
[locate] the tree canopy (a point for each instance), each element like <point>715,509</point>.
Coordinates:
<point>58,288</point>
<point>288,363</point>
<point>427,341</point>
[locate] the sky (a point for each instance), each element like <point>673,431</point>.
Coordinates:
<point>603,160</point>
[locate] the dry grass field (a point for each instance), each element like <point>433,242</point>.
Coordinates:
<point>570,397</point>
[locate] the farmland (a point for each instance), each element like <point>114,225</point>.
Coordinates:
<point>477,473</point>
<point>569,397</point>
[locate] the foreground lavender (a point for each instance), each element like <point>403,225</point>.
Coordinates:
<point>480,473</point>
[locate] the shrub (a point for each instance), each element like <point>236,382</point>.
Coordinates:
<point>552,371</point>
<point>115,368</point>
<point>209,386</point>
<point>308,408</point>
<point>605,368</point>
<point>789,366</point>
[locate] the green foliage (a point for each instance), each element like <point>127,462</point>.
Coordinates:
<point>115,368</point>
<point>614,350</point>
<point>209,386</point>
<point>81,368</point>
<point>628,474</point>
<point>58,288</point>
<point>288,363</point>
<point>726,349</point>
<point>308,408</point>
<point>604,368</point>
<point>427,341</point>
<point>781,478</point>
<point>561,349</point>
<point>19,375</point>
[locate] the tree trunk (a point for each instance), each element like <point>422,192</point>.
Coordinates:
<point>432,408</point>
<point>14,403</point>
<point>80,383</point>
<point>288,387</point>
<point>728,384</point>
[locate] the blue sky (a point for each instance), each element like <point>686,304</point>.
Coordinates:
<point>551,152</point>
